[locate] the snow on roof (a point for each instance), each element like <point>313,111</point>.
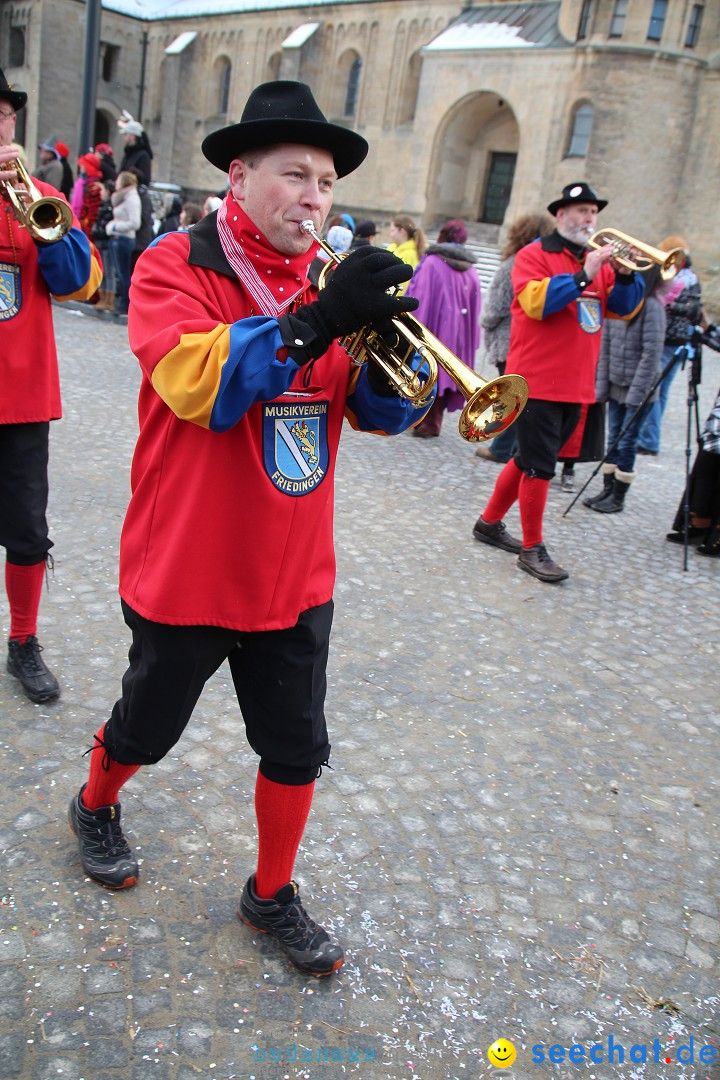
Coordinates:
<point>300,35</point>
<point>503,26</point>
<point>181,42</point>
<point>484,36</point>
<point>179,9</point>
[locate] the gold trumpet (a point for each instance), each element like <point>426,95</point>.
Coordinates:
<point>668,261</point>
<point>45,217</point>
<point>490,408</point>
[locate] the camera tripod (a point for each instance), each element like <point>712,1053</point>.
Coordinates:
<point>690,351</point>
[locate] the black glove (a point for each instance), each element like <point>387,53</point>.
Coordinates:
<point>355,296</point>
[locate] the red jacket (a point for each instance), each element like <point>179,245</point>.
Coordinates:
<point>556,329</point>
<point>29,274</point>
<point>231,517</point>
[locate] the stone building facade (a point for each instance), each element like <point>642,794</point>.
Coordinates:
<point>473,110</point>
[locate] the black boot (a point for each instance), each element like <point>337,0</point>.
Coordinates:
<point>26,664</point>
<point>614,501</point>
<point>608,478</point>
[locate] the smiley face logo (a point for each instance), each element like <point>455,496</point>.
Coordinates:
<point>502,1053</point>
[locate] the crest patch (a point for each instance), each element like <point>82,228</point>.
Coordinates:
<point>10,292</point>
<point>589,314</point>
<point>295,447</point>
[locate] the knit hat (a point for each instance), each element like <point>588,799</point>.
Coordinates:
<point>91,164</point>
<point>50,146</point>
<point>366,229</point>
<point>132,127</point>
<point>62,149</point>
<point>339,238</point>
<point>104,148</point>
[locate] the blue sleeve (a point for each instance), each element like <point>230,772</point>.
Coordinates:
<point>65,265</point>
<point>562,289</point>
<point>247,377</point>
<point>392,414</point>
<point>626,298</point>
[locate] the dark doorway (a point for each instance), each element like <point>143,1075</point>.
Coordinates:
<point>498,188</point>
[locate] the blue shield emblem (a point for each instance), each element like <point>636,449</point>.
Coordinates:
<point>589,314</point>
<point>295,447</point>
<point>10,296</point>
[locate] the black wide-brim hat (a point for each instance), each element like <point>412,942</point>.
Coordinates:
<point>17,98</point>
<point>579,192</point>
<point>284,112</point>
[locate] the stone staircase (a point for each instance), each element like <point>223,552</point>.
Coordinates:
<point>488,260</point>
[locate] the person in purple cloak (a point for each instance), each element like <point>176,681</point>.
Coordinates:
<point>448,288</point>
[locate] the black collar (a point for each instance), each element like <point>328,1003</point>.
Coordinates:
<point>556,243</point>
<point>206,249</point>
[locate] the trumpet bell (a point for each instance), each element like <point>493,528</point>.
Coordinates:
<point>493,408</point>
<point>45,217</point>
<point>48,219</point>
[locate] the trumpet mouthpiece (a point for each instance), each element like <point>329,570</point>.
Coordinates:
<point>307,226</point>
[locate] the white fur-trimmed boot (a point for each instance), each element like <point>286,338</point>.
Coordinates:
<point>614,501</point>
<point>608,475</point>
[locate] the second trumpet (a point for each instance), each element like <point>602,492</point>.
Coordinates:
<point>491,407</point>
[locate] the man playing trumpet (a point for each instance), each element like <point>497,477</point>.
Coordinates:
<point>226,550</point>
<point>562,293</point>
<point>31,270</point>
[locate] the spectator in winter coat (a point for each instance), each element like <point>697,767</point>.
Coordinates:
<point>50,169</point>
<point>138,153</point>
<point>627,371</point>
<point>171,221</point>
<point>89,191</point>
<point>683,307</point>
<point>68,180</point>
<point>146,232</point>
<point>122,229</point>
<point>448,288</point>
<point>107,161</point>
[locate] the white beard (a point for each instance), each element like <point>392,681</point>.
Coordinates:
<point>578,234</point>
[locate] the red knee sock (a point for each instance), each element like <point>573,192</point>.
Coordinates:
<point>533,496</point>
<point>23,585</point>
<point>106,776</point>
<point>504,494</point>
<point>282,811</point>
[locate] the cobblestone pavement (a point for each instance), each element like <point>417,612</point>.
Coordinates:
<point>518,840</point>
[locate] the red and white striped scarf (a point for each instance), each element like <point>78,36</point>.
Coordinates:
<point>273,280</point>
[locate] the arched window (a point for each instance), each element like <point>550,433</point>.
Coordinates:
<point>273,67</point>
<point>579,140</point>
<point>585,24</point>
<point>410,87</point>
<point>16,54</point>
<point>353,87</point>
<point>617,23</point>
<point>222,72</point>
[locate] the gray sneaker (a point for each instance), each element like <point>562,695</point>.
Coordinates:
<point>567,481</point>
<point>536,561</point>
<point>496,534</point>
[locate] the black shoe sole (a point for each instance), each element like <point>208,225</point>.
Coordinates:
<point>127,883</point>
